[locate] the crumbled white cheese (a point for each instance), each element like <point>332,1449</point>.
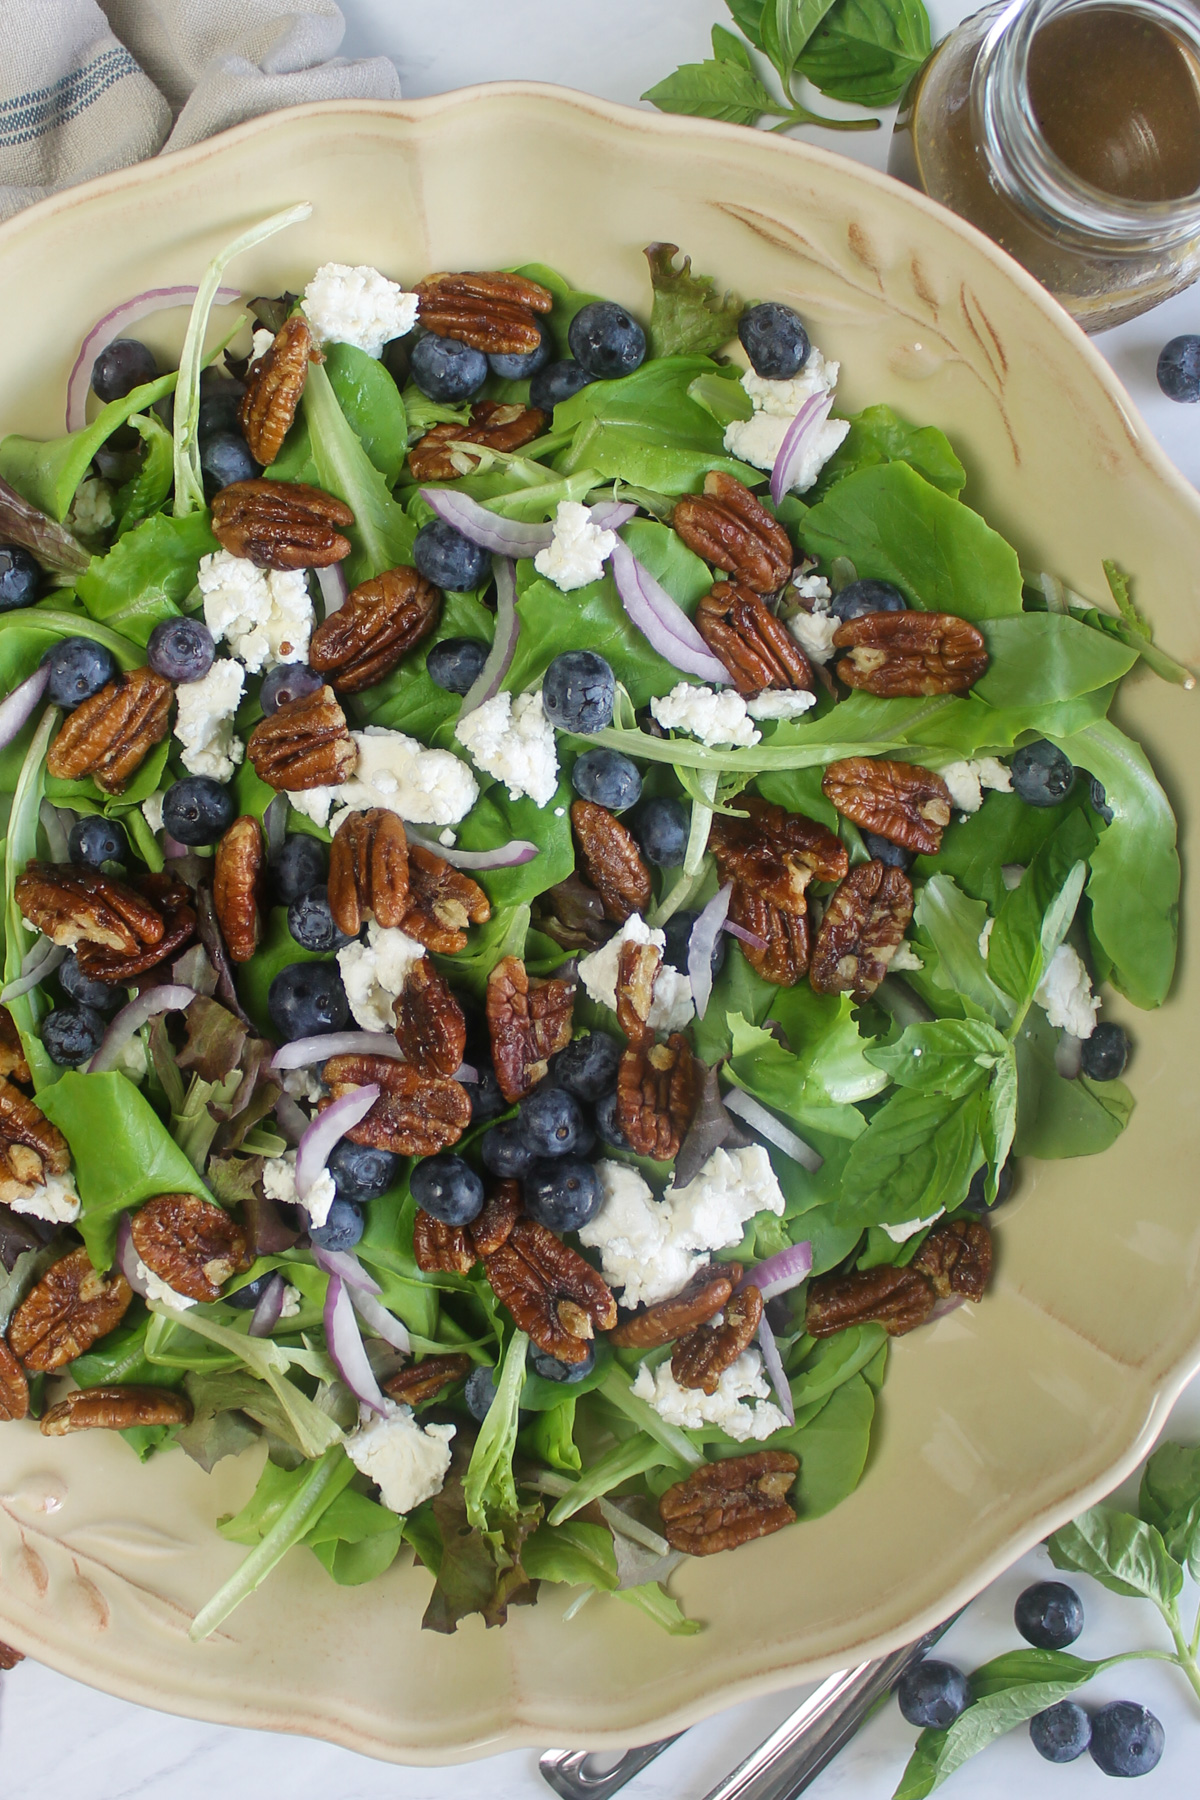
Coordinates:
<point>279,1178</point>
<point>319,1198</point>
<point>426,787</point>
<point>576,553</point>
<point>152,812</point>
<point>671,1007</point>
<point>905,957</point>
<point>204,723</point>
<point>691,1408</point>
<point>513,740</point>
<point>346,305</point>
<point>292,1298</point>
<point>967,778</point>
<point>447,838</point>
<point>900,1234</point>
<point>715,718</point>
<point>406,1461</point>
<point>984,939</point>
<point>814,588</point>
<point>733,1186</point>
<point>54,1200</point>
<point>302,1084</point>
<point>814,633</point>
<point>374,974</point>
<point>759,439</point>
<point>780,703</point>
<point>92,510</point>
<point>265,615</point>
<point>160,1292</point>
<point>260,342</point>
<point>1065,994</point>
<point>784,399</point>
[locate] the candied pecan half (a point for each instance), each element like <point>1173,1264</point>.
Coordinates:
<point>442,1249</point>
<point>528,1021</point>
<point>115,1409</point>
<point>9,1658</point>
<point>496,425</point>
<point>20,1172</point>
<point>239,875</point>
<point>380,622</point>
<point>63,1315</point>
<point>900,801</point>
<point>368,871</point>
<point>897,1299</point>
<point>775,853</point>
<point>637,971</point>
<point>781,947</point>
<point>957,1258</point>
<point>189,1243</point>
<point>14,1388</point>
<point>274,383</point>
<point>727,526</point>
<point>304,744</point>
<point>422,1380</point>
<point>701,1358</point>
<point>492,312</point>
<point>171,900</point>
<point>864,922</point>
<point>501,1210</point>
<point>551,1292</point>
<point>12,1052</point>
<point>22,1122</point>
<point>725,1504</point>
<point>431,1027</point>
<point>415,1114</point>
<point>108,736</point>
<point>280,524</point>
<point>656,1096</point>
<point>757,648</point>
<point>442,902</point>
<point>612,860</point>
<point>705,1294</point>
<point>73,905</point>
<point>910,653</point>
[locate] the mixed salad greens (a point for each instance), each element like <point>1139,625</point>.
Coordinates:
<point>363,1162</point>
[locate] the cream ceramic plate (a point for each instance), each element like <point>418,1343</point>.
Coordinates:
<point>996,1423</point>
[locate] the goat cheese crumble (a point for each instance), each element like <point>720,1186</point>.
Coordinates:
<point>759,439</point>
<point>779,703</point>
<point>576,553</point>
<point>92,511</point>
<point>690,1408</point>
<point>715,718</point>
<point>426,787</point>
<point>513,740</point>
<point>374,974</point>
<point>671,1007</point>
<point>814,630</point>
<point>357,305</point>
<point>291,1302</point>
<point>160,1292</point>
<point>53,1199</point>
<point>900,1234</point>
<point>279,1183</point>
<point>152,812</point>
<point>204,726</point>
<point>406,1461</point>
<point>264,615</point>
<point>967,779</point>
<point>1065,994</point>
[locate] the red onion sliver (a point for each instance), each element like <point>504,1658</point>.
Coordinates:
<point>328,1129</point>
<point>610,515</point>
<point>466,1072</point>
<point>1068,1056</point>
<point>111,326</point>
<point>950,1304</point>
<point>773,1363</point>
<point>303,1051</point>
<point>378,1320</point>
<point>33,972</point>
<point>504,643</point>
<point>346,1266</point>
<point>702,943</point>
<point>268,1308</point>
<point>504,856</point>
<point>291,1121</point>
<point>131,1018</point>
<point>15,711</point>
<point>809,419</point>
<point>127,1258</point>
<point>662,621</point>
<point>344,1341</point>
<point>746,937</point>
<point>781,1272</point>
<point>503,537</point>
<point>773,1129</point>
<point>334,588</point>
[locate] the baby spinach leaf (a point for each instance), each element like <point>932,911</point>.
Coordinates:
<point>146,491</point>
<point>356,1539</point>
<point>1039,658</point>
<point>552,622</point>
<point>720,393</point>
<point>645,429</point>
<point>503,935</point>
<point>917,1154</point>
<point>834,1361</point>
<point>496,820</point>
<point>832,1448</point>
<point>1033,919</point>
<point>1170,1501</point>
<point>147,574</point>
<point>370,401</point>
<point>879,435</point>
<point>1056,1117</point>
<point>867,51</point>
<point>723,87</point>
<point>689,316</point>
<point>945,1056</point>
<point>1121,1552</point>
<point>47,474</point>
<point>574,1552</point>
<point>382,534</point>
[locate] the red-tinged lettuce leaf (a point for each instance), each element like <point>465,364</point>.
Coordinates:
<point>689,317</point>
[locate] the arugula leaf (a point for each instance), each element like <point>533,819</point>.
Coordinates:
<point>917,1155</point>
<point>689,317</point>
<point>879,435</point>
<point>1170,1501</point>
<point>1121,1552</point>
<point>147,574</point>
<point>47,474</point>
<point>719,88</point>
<point>1055,1117</point>
<point>146,491</point>
<point>867,51</point>
<point>645,429</point>
<point>382,534</point>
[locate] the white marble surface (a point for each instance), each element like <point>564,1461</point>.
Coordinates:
<point>62,1741</point>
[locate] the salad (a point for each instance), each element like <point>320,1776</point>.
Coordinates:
<point>551,879</point>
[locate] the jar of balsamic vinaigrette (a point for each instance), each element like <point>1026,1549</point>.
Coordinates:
<point>1069,132</point>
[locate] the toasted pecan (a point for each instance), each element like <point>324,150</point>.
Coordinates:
<point>492,311</point>
<point>551,1292</point>
<point>431,1027</point>
<point>528,1022</point>
<point>902,802</point>
<point>422,1380</point>
<point>495,425</point>
<point>757,648</point>
<point>415,1114</point>
<point>304,743</point>
<point>381,620</point>
<point>281,524</point>
<point>108,736</point>
<point>116,1408</point>
<point>910,653</point>
<point>368,871</point>
<point>656,1096</point>
<point>612,861</point>
<point>705,1294</point>
<point>728,527</point>
<point>701,1357</point>
<point>728,1503</point>
<point>192,1245</point>
<point>442,902</point>
<point>239,876</point>
<point>274,383</point>
<point>861,931</point>
<point>64,1314</point>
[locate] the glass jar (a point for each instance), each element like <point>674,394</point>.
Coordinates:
<point>1069,132</point>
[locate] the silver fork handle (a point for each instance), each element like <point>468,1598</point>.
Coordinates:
<point>566,1771</point>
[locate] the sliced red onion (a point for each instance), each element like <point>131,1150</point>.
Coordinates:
<point>702,943</point>
<point>275,824</point>
<point>504,643</point>
<point>328,1129</point>
<point>661,621</point>
<point>268,1308</point>
<point>950,1304</point>
<point>33,972</point>
<point>743,936</point>
<point>808,420</point>
<point>346,1266</point>
<point>335,590</point>
<point>773,1363</point>
<point>781,1272</point>
<point>291,1121</point>
<point>610,515</point>
<point>503,537</point>
<point>111,326</point>
<point>378,1320</point>
<point>344,1341</point>
<point>15,711</point>
<point>303,1051</point>
<point>505,856</point>
<point>131,1018</point>
<point>773,1129</point>
<point>465,1072</point>
<point>1068,1056</point>
<point>128,1260</point>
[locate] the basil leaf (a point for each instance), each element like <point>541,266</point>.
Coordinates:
<point>717,89</point>
<point>1033,919</point>
<point>1121,1552</point>
<point>953,924</point>
<point>1056,1117</point>
<point>728,47</point>
<point>917,1155</point>
<point>945,1056</point>
<point>832,1448</point>
<point>748,17</point>
<point>879,435</point>
<point>1170,1500</point>
<point>1000,1120</point>
<point>1040,658</point>
<point>147,574</point>
<point>689,316</point>
<point>787,26</point>
<point>644,428</point>
<point>867,51</point>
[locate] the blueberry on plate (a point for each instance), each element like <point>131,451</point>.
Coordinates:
<point>104,996</point>
<point>121,366</point>
<point>606,340</point>
<point>588,1065</point>
<point>503,1150</point>
<point>1049,1615</point>
<point>487,1102</point>
<point>95,840</point>
<point>20,578</point>
<point>225,458</point>
<point>455,664</point>
<point>608,778</point>
<point>72,1035</point>
<point>287,682</point>
<point>578,691</point>
<point>557,382</point>
<point>1126,1739</point>
<point>310,922</point>
<point>678,933</point>
<point>220,402</point>
<point>1098,801</point>
<point>1105,1053</point>
<point>661,826</point>
<point>447,1188</point>
<point>522,366</point>
<point>479,1390</point>
<point>606,1122</point>
<point>302,864</point>
<point>1041,774</point>
<point>306,1000</point>
<point>551,1369</point>
<point>447,370</point>
<point>553,1122</point>
<point>447,558</point>
<point>975,1201</point>
<point>198,810</point>
<point>933,1694</point>
<point>562,1194</point>
<point>1178,368</point>
<point>79,667</point>
<point>181,650</point>
<point>342,1229</point>
<point>861,597</point>
<point>892,856</point>
<point>774,338</point>
<point>1061,1733</point>
<point>247,1297</point>
<point>360,1172</point>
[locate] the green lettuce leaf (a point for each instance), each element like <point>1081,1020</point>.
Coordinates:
<point>645,429</point>
<point>879,435</point>
<point>147,574</point>
<point>373,407</point>
<point>47,474</point>
<point>689,317</point>
<point>574,1552</point>
<point>146,491</point>
<point>1056,1117</point>
<point>818,1087</point>
<point>382,534</point>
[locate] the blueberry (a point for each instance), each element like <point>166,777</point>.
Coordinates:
<point>198,810</point>
<point>562,1194</point>
<point>521,367</point>
<point>447,1188</point>
<point>79,667</point>
<point>1049,1615</point>
<point>102,995</point>
<point>1105,1053</point>
<point>588,1065</point>
<point>247,1298</point>
<point>661,828</point>
<point>606,1122</point>
<point>578,691</point>
<point>287,682</point>
<point>306,999</point>
<point>975,1201</point>
<point>608,778</point>
<point>361,1173</point>
<point>300,865</point>
<point>20,578</point>
<point>933,1693</point>
<point>121,366</point>
<point>311,922</point>
<point>397,359</point>
<point>503,1149</point>
<point>341,1230</point>
<point>892,856</point>
<point>480,1390</point>
<point>487,1102</point>
<point>678,931</point>
<point>447,558</point>
<point>1041,774</point>
<point>550,1369</point>
<point>181,650</point>
<point>1126,1739</point>
<point>557,382</point>
<point>1098,800</point>
<point>774,338</point>
<point>1062,1732</point>
<point>861,597</point>
<point>220,402</point>
<point>95,840</point>
<point>553,1122</point>
<point>1179,368</point>
<point>225,458</point>
<point>607,340</point>
<point>72,1035</point>
<point>446,370</point>
<point>455,663</point>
